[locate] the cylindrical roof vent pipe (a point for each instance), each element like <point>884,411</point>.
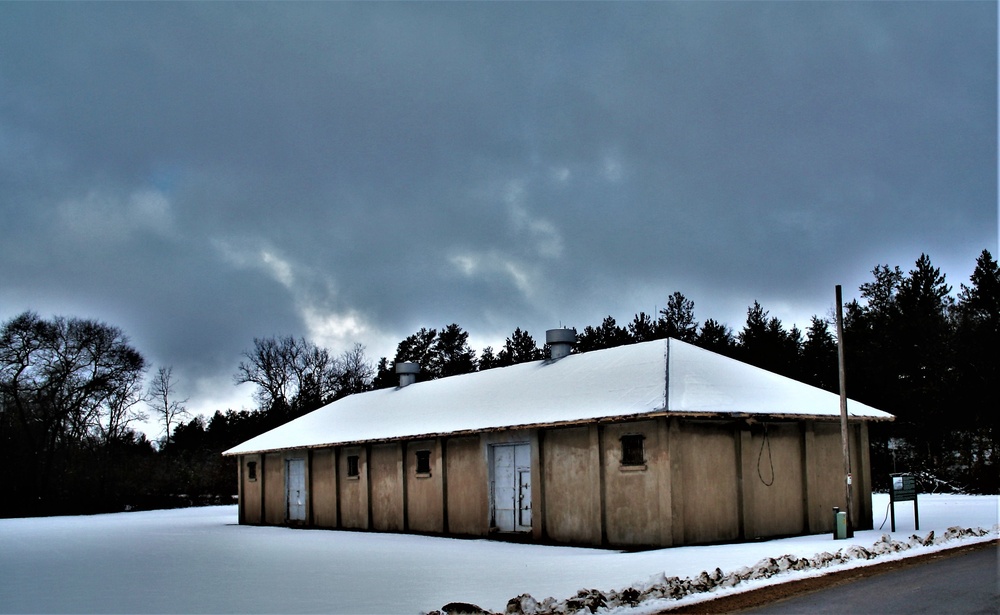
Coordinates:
<point>407,373</point>
<point>560,342</point>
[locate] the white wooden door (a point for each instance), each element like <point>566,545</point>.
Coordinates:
<point>512,487</point>
<point>295,489</point>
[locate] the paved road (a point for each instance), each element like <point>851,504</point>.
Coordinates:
<point>965,583</point>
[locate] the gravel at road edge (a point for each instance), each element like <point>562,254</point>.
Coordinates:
<point>765,595</point>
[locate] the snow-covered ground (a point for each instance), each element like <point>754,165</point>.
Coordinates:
<point>198,560</point>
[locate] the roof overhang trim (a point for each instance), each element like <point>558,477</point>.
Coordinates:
<point>750,417</point>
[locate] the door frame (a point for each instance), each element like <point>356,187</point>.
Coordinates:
<point>304,491</point>
<point>520,469</point>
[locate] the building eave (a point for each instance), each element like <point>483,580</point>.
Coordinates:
<point>749,417</point>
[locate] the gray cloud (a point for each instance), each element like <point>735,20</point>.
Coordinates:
<point>201,174</point>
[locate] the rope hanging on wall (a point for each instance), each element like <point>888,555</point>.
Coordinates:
<point>770,460</point>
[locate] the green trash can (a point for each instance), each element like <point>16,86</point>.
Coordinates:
<point>840,525</point>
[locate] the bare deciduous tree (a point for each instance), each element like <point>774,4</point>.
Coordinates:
<point>121,409</point>
<point>292,375</point>
<point>356,373</point>
<point>168,410</point>
<point>65,385</point>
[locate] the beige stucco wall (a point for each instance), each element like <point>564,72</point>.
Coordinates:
<point>385,473</point>
<point>424,492</point>
<point>825,470</point>
<point>250,490</point>
<point>826,475</point>
<point>353,491</point>
<point>861,469</point>
<point>704,482</point>
<point>772,480</point>
<point>633,514</point>
<point>274,488</point>
<point>571,474</point>
<point>468,486</point>
<point>323,490</point>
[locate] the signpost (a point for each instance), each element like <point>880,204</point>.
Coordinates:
<point>903,489</point>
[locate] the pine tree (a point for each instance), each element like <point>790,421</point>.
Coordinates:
<point>677,319</point>
<point>642,328</point>
<point>519,348</point>
<point>923,343</point>
<point>978,304</point>
<point>870,342</point>
<point>977,321</point>
<point>716,337</point>
<point>608,335</point>
<point>417,348</point>
<point>451,354</point>
<point>488,360</point>
<point>384,376</point>
<point>765,343</point>
<point>819,356</point>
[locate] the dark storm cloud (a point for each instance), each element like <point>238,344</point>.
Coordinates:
<point>204,173</point>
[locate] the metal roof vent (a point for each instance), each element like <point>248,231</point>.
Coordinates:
<point>560,342</point>
<point>407,373</point>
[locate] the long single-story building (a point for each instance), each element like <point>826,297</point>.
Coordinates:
<point>659,443</point>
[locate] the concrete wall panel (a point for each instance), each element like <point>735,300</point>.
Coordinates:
<point>632,502</point>
<point>826,489</point>
<point>274,489</point>
<point>708,476</point>
<point>386,475</point>
<point>772,480</point>
<point>353,494</point>
<point>424,491</point>
<point>572,483</point>
<point>468,487</point>
<point>861,494</point>
<point>323,492</point>
<point>250,492</point>
<point>826,475</point>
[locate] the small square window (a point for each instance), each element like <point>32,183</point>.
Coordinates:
<point>251,470</point>
<point>352,466</point>
<point>423,462</point>
<point>632,450</point>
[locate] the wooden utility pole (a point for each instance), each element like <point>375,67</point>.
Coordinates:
<point>844,434</point>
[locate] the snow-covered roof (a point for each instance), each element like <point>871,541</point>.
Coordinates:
<point>634,381</point>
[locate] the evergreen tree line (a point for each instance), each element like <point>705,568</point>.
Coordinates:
<point>71,390</point>
<point>912,348</point>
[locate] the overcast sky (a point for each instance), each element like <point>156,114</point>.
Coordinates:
<point>200,174</point>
